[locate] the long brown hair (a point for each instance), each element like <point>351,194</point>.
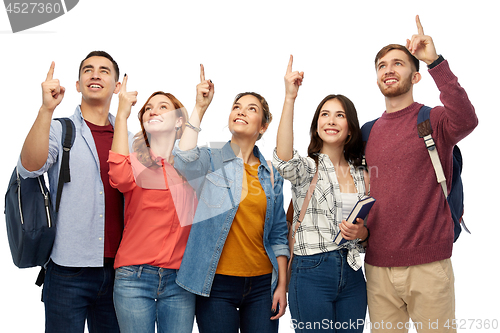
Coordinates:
<point>141,140</point>
<point>354,144</point>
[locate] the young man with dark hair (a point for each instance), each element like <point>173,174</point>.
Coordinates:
<point>408,268</point>
<point>79,277</point>
<point>104,55</point>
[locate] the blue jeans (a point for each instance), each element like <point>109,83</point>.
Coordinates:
<point>72,295</point>
<point>237,303</point>
<point>145,295</point>
<point>326,294</point>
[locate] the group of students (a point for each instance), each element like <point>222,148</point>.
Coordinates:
<point>202,231</point>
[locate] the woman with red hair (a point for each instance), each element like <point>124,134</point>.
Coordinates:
<point>159,206</point>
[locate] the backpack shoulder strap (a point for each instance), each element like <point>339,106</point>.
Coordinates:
<point>424,114</point>
<point>366,129</point>
<point>425,131</point>
<point>365,134</point>
<point>68,137</point>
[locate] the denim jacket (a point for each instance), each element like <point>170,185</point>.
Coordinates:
<point>217,176</point>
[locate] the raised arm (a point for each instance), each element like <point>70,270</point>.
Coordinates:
<point>459,117</point>
<point>126,99</point>
<point>204,95</point>
<point>36,146</point>
<point>284,139</point>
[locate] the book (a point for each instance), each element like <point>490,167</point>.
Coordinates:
<point>360,210</point>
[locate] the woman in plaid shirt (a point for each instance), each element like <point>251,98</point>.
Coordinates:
<point>327,289</point>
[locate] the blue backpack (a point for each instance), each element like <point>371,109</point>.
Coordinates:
<point>29,214</point>
<point>456,197</point>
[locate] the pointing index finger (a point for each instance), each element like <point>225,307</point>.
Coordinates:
<point>50,74</point>
<point>202,73</point>
<point>290,63</point>
<point>124,83</point>
<point>419,26</point>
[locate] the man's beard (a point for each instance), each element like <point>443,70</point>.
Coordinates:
<point>402,88</point>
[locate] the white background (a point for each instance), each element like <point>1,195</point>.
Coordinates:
<point>245,47</point>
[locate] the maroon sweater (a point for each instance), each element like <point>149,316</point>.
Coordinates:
<point>410,224</point>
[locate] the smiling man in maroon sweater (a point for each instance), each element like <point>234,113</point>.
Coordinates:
<point>408,268</point>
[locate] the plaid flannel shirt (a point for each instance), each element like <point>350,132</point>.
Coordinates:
<point>324,212</point>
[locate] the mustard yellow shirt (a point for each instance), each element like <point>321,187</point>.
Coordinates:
<point>243,253</point>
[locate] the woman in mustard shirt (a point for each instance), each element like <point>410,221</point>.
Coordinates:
<point>236,256</point>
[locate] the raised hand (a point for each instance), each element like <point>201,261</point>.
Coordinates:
<point>284,139</point>
<point>204,92</point>
<point>293,80</point>
<point>204,95</point>
<point>126,99</point>
<point>52,91</point>
<point>422,46</point>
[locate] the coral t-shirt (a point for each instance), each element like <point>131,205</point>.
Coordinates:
<point>159,209</point>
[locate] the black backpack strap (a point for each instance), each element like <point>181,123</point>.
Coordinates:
<point>68,137</point>
<point>365,134</point>
<point>40,278</point>
<point>366,129</point>
<point>424,114</point>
